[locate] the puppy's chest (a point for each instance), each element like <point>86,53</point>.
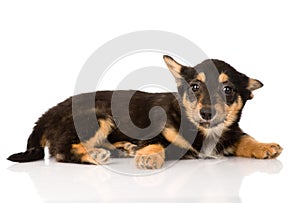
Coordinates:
<point>210,144</point>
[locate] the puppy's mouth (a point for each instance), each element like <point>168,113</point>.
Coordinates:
<point>205,124</point>
<point>209,124</point>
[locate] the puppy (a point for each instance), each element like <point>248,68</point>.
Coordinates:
<point>198,121</point>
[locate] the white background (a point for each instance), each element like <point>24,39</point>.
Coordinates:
<point>43,46</point>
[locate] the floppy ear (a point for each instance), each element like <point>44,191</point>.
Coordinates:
<point>174,67</point>
<point>254,84</point>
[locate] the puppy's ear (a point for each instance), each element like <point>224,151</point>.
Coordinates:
<point>174,67</point>
<point>254,84</point>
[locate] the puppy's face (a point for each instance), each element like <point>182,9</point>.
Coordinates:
<point>213,93</point>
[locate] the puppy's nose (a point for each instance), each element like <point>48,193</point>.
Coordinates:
<point>207,113</point>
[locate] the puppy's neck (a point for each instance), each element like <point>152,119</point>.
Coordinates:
<point>211,137</point>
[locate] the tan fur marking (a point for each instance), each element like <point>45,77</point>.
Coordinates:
<point>101,134</point>
<point>232,111</point>
<point>199,105</point>
<point>249,147</point>
<point>150,149</point>
<point>150,157</point>
<point>105,127</point>
<point>43,141</point>
<point>189,110</point>
<point>127,146</point>
<point>201,77</point>
<point>223,78</point>
<point>80,150</point>
<point>175,138</point>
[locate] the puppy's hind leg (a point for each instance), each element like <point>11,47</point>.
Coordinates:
<point>89,151</point>
<point>80,154</point>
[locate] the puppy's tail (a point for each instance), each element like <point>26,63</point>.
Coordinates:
<point>34,152</point>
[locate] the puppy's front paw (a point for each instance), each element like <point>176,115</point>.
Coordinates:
<point>153,161</point>
<point>266,150</point>
<point>150,157</point>
<point>249,147</point>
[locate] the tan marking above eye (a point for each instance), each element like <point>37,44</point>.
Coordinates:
<point>201,77</point>
<point>223,78</point>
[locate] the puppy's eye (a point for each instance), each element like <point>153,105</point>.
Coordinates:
<point>195,87</point>
<point>227,90</point>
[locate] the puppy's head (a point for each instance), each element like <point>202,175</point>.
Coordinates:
<point>212,93</point>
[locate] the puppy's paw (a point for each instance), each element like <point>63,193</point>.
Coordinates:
<point>153,161</point>
<point>266,151</point>
<point>249,147</point>
<point>127,148</point>
<point>150,157</point>
<point>101,156</point>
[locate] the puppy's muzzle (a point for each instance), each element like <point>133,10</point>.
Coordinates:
<point>207,113</point>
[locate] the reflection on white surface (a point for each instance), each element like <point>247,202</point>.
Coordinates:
<point>188,180</point>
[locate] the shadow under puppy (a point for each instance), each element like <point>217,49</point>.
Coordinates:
<point>200,121</point>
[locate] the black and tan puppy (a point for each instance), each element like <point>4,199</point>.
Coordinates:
<point>201,120</point>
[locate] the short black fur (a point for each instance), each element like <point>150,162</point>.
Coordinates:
<point>56,128</point>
